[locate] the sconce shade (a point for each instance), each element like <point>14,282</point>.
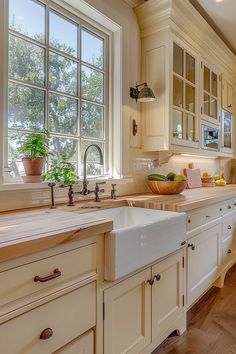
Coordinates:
<point>146,94</point>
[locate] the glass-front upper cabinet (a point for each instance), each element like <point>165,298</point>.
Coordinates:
<point>210,108</point>
<point>184,110</point>
<point>227,122</point>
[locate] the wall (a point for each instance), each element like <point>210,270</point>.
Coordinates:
<point>135,163</point>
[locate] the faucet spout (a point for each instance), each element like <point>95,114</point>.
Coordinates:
<point>85,190</point>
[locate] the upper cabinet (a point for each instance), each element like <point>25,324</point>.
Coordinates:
<point>211,99</point>
<point>227,96</point>
<point>184,104</point>
<point>183,61</point>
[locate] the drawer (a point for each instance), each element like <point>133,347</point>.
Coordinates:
<point>83,345</point>
<point>202,216</point>
<point>19,282</point>
<point>227,226</point>
<point>229,250</point>
<point>60,321</point>
<point>226,206</point>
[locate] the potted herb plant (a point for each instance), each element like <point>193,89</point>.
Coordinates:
<point>35,149</point>
<point>63,173</point>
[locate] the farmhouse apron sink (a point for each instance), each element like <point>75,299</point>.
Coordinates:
<point>139,237</point>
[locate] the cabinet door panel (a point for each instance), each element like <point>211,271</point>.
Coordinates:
<point>127,324</point>
<point>167,293</point>
<point>204,260</point>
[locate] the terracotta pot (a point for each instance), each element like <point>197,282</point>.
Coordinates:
<point>33,167</point>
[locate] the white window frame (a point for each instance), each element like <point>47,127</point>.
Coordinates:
<point>114,32</point>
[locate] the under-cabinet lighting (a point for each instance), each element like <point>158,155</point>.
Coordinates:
<point>199,156</point>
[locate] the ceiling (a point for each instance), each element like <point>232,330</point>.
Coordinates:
<point>221,15</point>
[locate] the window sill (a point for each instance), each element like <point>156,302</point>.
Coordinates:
<point>27,186</point>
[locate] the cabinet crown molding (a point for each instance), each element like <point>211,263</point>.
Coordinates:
<point>183,19</point>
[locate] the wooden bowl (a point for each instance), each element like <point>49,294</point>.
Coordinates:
<point>167,187</point>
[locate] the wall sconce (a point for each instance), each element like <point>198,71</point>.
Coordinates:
<point>144,95</point>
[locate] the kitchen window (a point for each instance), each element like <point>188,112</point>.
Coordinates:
<point>58,80</point>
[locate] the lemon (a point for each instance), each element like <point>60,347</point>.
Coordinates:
<point>180,178</point>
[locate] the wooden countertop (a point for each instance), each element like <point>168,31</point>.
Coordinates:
<point>187,200</point>
<point>26,232</point>
<point>33,231</point>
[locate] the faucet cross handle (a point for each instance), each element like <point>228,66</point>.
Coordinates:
<point>97,190</point>
<point>113,191</point>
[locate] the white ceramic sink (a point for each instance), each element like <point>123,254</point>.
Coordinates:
<point>139,236</point>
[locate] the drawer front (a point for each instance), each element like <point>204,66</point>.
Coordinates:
<point>227,206</point>
<point>227,226</point>
<point>202,216</point>
<point>67,317</point>
<point>19,282</point>
<point>83,345</point>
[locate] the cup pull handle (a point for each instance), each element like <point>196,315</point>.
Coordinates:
<point>46,334</point>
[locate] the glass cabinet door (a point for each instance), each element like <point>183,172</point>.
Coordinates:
<point>211,105</point>
<point>184,96</point>
<point>226,131</point>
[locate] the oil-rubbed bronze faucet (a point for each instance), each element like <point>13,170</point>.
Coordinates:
<point>85,189</point>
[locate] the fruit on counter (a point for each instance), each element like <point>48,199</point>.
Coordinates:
<point>171,176</point>
<point>220,182</point>
<point>206,174</point>
<point>180,178</point>
<point>157,177</point>
<point>217,177</point>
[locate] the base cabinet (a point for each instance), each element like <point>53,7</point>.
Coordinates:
<point>167,294</point>
<point>127,324</point>
<point>204,261</point>
<point>82,345</point>
<point>145,308</point>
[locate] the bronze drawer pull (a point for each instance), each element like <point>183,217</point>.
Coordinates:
<point>157,277</point>
<point>46,334</point>
<point>192,246</point>
<point>56,274</point>
<point>229,251</point>
<point>151,281</point>
<point>208,216</point>
<point>229,207</point>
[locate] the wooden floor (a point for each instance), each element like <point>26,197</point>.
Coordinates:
<point>211,324</point>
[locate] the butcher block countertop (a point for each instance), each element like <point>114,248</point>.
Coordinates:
<point>23,233</point>
<point>189,199</point>
<point>29,231</point>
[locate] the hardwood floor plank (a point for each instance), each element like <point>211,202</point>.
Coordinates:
<point>211,324</point>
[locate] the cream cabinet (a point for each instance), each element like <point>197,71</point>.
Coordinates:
<point>127,311</point>
<point>204,261</point>
<point>171,68</point>
<point>211,97</point>
<point>227,96</point>
<point>49,327</point>
<point>168,294</point>
<point>82,345</point>
<point>48,300</point>
<point>145,308</point>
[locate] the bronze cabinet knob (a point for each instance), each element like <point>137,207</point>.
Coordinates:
<point>192,246</point>
<point>46,334</point>
<point>151,281</point>
<point>229,251</point>
<point>157,277</point>
<point>229,227</point>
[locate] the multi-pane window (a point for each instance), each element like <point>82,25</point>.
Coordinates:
<point>57,75</point>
